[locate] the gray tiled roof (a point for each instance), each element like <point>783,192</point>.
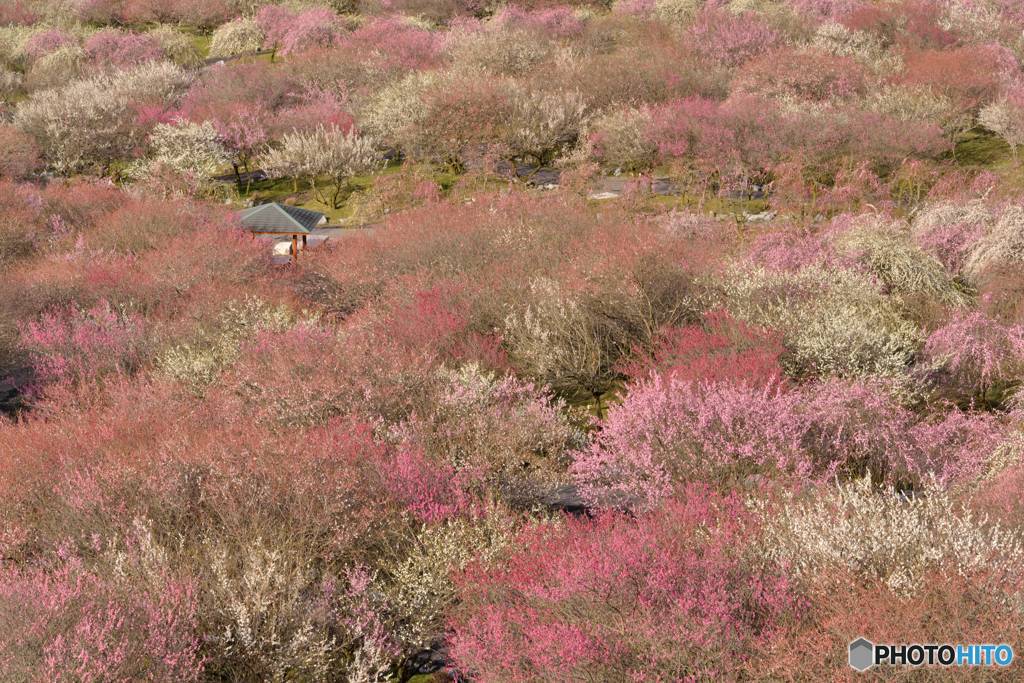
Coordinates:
<point>276,217</point>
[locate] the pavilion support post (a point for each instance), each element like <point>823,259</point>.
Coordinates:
<point>295,248</point>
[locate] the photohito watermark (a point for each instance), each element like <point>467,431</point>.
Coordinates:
<point>864,654</point>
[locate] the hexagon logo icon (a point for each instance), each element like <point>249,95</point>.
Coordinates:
<point>862,654</point>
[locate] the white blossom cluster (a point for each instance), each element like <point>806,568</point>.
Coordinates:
<point>510,52</point>
<point>910,103</point>
<point>835,321</point>
<point>238,37</point>
<point>421,589</point>
<point>551,336</point>
<point>837,39</point>
<point>260,601</point>
<point>888,536</point>
<point>197,363</point>
<point>1003,243</point>
<point>91,121</point>
<point>191,148</point>
<point>324,153</point>
<point>885,249</point>
<point>542,123</point>
<point>622,141</point>
<point>1005,120</point>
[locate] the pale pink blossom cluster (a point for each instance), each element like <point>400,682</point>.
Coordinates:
<point>110,48</point>
<point>670,432</point>
<point>295,31</point>
<point>72,345</point>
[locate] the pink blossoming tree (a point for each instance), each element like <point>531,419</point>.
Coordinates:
<point>666,596</point>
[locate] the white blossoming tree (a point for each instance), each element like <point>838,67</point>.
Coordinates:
<point>1005,118</point>
<point>190,148</point>
<point>881,534</point>
<point>544,123</point>
<point>91,122</point>
<point>326,158</point>
<point>238,37</point>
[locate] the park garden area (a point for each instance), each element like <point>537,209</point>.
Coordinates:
<point>686,342</point>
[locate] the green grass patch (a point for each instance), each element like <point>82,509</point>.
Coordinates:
<point>979,147</point>
<point>342,214</point>
<point>267,57</point>
<point>14,98</point>
<point>200,40</point>
<point>426,678</point>
<point>273,189</point>
<point>446,179</point>
<point>202,45</point>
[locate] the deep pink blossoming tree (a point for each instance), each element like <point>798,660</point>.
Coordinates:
<point>667,596</point>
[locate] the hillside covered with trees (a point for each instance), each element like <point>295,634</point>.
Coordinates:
<point>653,340</point>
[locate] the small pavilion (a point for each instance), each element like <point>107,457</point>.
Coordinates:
<point>279,220</point>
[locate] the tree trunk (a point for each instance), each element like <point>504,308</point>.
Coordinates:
<point>320,196</point>
<point>338,187</point>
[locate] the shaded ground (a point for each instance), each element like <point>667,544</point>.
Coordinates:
<point>11,391</point>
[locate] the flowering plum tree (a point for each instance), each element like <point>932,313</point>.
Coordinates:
<point>451,118</point>
<point>392,45</point>
<point>17,13</point>
<point>274,21</point>
<point>1005,118</point>
<point>672,430</point>
<point>296,31</point>
<point>323,109</point>
<point>237,37</point>
<point>542,124</point>
<point>936,530</point>
<point>813,308</point>
<point>968,76</point>
<point>978,353</point>
<point>42,43</point>
<point>74,347</point>
<point>619,139</point>
<point>190,148</point>
<point>91,122</point>
<point>92,623</point>
<point>667,595</point>
<point>668,432</point>
<point>313,28</point>
<point>326,153</point>
<point>114,49</point>
<point>804,75</point>
<point>949,230</point>
<point>176,45</point>
<point>501,432</point>
<point>730,39</point>
<point>720,350</point>
<point>241,130</point>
